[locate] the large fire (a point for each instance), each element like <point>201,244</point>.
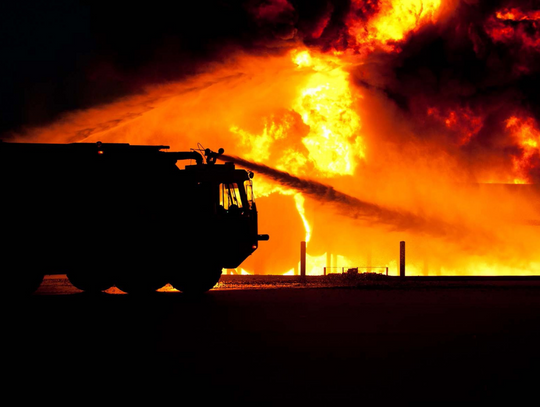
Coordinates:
<point>365,173</point>
<point>528,138</point>
<point>392,22</point>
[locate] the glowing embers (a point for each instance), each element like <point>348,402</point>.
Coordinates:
<point>526,134</point>
<point>515,14</point>
<point>462,122</point>
<point>515,26</point>
<point>393,20</point>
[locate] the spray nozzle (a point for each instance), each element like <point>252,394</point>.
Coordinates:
<point>211,157</point>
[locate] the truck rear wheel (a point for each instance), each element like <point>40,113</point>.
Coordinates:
<point>195,281</point>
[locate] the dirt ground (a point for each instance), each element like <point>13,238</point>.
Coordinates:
<point>281,346</point>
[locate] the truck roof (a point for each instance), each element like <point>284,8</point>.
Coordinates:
<point>74,150</point>
<point>79,147</point>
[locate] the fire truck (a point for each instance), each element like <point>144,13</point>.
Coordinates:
<point>122,215</point>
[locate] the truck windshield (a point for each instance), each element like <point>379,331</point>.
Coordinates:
<point>248,185</point>
<point>229,196</point>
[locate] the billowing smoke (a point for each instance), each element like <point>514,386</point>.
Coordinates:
<point>460,80</point>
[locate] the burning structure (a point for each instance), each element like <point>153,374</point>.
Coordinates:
<point>368,122</point>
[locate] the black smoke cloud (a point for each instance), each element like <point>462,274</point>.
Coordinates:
<point>456,65</point>
<point>455,61</point>
<point>458,62</point>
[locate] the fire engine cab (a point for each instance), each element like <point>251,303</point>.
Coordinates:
<point>123,215</point>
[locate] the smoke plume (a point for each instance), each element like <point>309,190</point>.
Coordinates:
<point>350,206</point>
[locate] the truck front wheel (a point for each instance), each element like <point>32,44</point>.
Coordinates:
<point>139,284</point>
<point>196,281</point>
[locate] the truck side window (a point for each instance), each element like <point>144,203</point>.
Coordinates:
<point>229,196</point>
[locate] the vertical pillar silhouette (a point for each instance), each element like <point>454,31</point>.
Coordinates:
<point>402,259</point>
<point>328,262</point>
<point>303,259</point>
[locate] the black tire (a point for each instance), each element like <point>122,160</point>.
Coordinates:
<point>91,281</point>
<point>140,275</point>
<point>138,284</point>
<point>196,281</point>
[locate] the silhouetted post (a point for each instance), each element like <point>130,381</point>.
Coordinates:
<point>402,259</point>
<point>303,259</point>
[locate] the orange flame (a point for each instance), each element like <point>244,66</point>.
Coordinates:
<point>326,105</point>
<point>527,135</point>
<point>392,23</point>
<point>515,14</point>
<point>515,26</point>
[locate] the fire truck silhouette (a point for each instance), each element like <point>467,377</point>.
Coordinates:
<point>124,215</point>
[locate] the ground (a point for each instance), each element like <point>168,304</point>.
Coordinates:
<point>289,345</point>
